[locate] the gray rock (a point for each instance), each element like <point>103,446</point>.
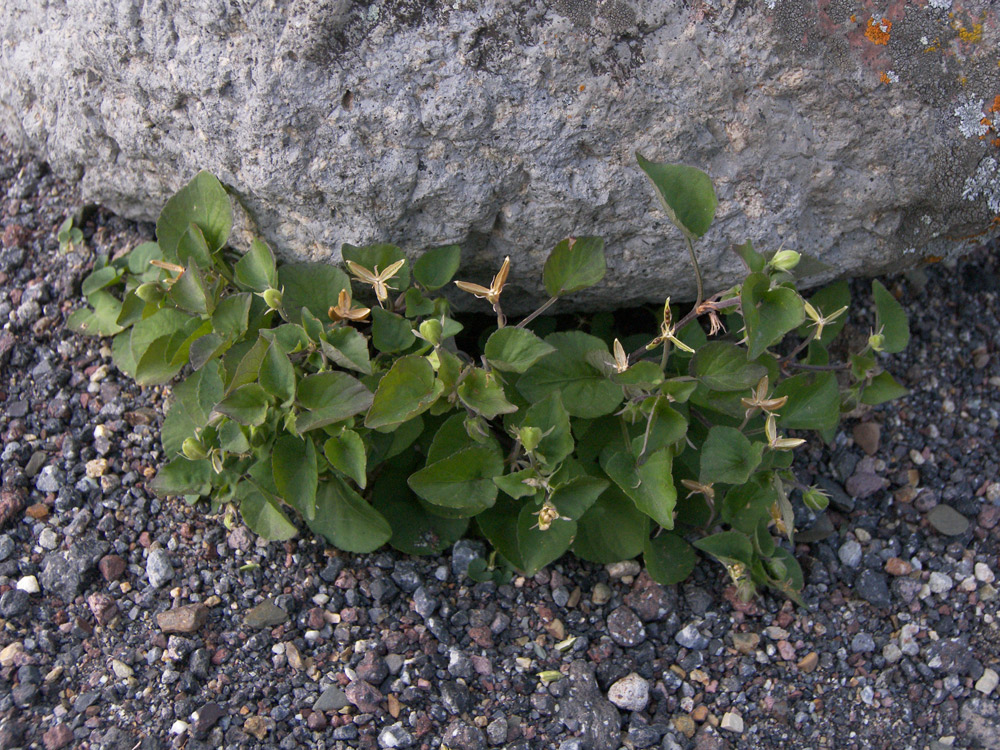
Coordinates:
<point>14,603</point>
<point>690,637</point>
<point>49,479</point>
<point>60,576</point>
<point>873,587</point>
<point>424,603</point>
<point>850,553</point>
<point>862,643</point>
<point>947,520</point>
<point>265,615</point>
<point>625,627</point>
<point>395,735</point>
<point>331,699</point>
<point>463,553</point>
<point>982,718</point>
<point>496,731</point>
<point>463,736</point>
<point>158,568</point>
<point>438,123</point>
<point>6,547</point>
<point>584,709</point>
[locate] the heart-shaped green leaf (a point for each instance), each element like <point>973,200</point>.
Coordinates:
<point>437,266</point>
<point>585,391</point>
<point>345,520</point>
<point>669,559</point>
<point>346,453</point>
<point>728,457</point>
<point>204,202</point>
<point>296,473</point>
<point>574,264</point>
<point>891,319</point>
<point>686,194</point>
<point>408,389</point>
<point>513,349</point>
<point>328,398</point>
<point>257,270</point>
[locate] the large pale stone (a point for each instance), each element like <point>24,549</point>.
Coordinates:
<point>869,141</point>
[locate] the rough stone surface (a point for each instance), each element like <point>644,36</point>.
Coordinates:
<point>630,693</point>
<point>598,720</point>
<point>509,126</point>
<point>185,619</point>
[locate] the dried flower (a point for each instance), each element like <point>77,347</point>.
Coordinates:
<point>376,279</point>
<point>491,294</point>
<point>759,399</point>
<point>344,311</point>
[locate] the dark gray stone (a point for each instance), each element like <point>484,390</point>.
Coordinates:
<point>584,709</point>
<point>873,587</point>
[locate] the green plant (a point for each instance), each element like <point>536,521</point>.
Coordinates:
<point>371,424</point>
<point>69,236</point>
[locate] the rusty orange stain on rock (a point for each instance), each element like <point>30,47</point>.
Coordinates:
<point>877,32</point>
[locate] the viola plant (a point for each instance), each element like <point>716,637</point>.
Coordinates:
<point>365,422</point>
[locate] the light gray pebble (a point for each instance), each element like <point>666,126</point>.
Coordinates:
<point>49,479</point>
<point>158,568</point>
<point>940,583</point>
<point>395,735</point>
<point>689,637</point>
<point>862,643</point>
<point>48,538</point>
<point>850,553</point>
<point>6,547</point>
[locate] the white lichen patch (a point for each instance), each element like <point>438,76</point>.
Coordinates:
<point>940,4</point>
<point>985,183</point>
<point>970,116</point>
<point>892,76</point>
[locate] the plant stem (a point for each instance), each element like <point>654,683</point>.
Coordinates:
<point>820,368</point>
<point>545,306</point>
<point>697,272</point>
<point>799,348</point>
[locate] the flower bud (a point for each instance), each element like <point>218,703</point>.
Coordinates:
<point>475,428</point>
<point>530,437</point>
<point>815,499</point>
<point>193,449</point>
<point>273,298</point>
<point>785,260</point>
<point>430,331</point>
<point>876,341</point>
<point>217,463</point>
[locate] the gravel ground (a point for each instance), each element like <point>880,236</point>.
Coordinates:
<point>127,622</point>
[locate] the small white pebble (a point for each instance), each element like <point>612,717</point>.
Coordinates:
<point>732,721</point>
<point>320,599</point>
<point>916,456</point>
<point>179,727</point>
<point>983,573</point>
<point>940,583</point>
<point>988,682</point>
<point>863,536</point>
<point>29,584</point>
<point>97,467</point>
<point>122,670</point>
<point>968,585</point>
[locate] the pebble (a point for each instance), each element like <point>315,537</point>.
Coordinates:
<point>862,643</point>
<point>896,566</point>
<point>600,594</point>
<point>185,619</point>
<point>624,568</point>
<point>866,435</point>
<point>892,653</point>
<point>850,553</point>
<point>947,520</point>
<point>158,568</point>
<point>265,615</point>
<point>49,479</point>
<point>48,539</point>
<point>873,587</point>
<point>625,627</point>
<point>96,467</point>
<point>983,573</point>
<point>111,567</point>
<point>808,662</point>
<point>331,699</point>
<point>57,737</point>
<point>745,643</point>
<point>987,683</point>
<point>732,722</point>
<point>122,670</point>
<point>28,584</point>
<point>630,693</point>
<point>690,637</point>
<point>940,583</point>
<point>6,547</point>
<point>395,735</point>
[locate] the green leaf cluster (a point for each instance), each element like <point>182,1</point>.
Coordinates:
<point>338,400</point>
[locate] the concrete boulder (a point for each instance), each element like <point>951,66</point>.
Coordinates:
<point>869,141</point>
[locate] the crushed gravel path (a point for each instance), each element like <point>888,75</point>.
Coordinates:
<point>127,622</point>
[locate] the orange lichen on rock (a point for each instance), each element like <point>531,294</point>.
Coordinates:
<point>971,36</point>
<point>884,78</point>
<point>878,31</point>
